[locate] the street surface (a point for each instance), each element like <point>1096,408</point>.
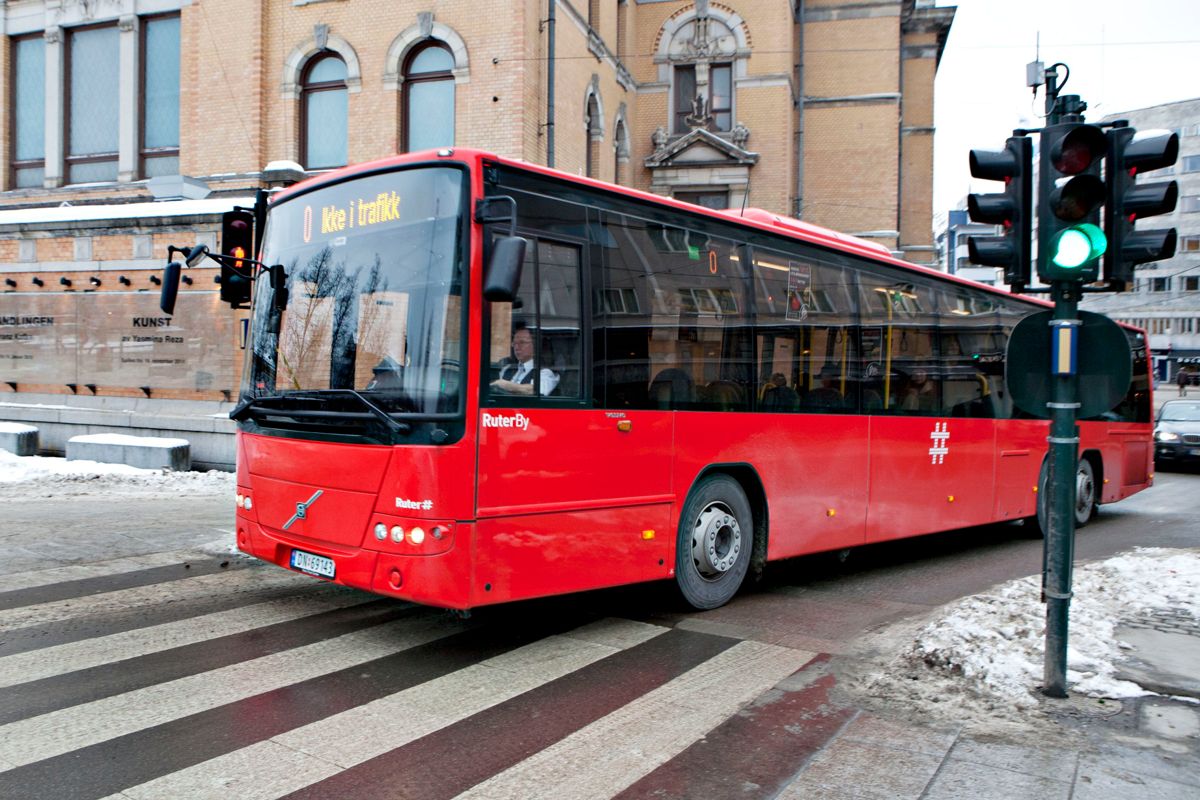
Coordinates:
<point>135,663</point>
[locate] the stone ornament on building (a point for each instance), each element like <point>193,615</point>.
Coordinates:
<point>704,38</point>
<point>740,135</point>
<point>718,149</point>
<point>700,116</point>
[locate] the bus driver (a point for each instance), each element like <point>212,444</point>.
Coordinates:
<point>517,377</point>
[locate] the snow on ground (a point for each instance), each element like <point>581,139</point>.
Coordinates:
<point>985,652</point>
<point>40,477</point>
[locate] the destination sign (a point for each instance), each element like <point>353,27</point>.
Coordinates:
<point>357,213</point>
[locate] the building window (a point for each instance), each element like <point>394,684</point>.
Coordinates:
<point>1191,283</point>
<point>1160,284</point>
<point>1191,163</point>
<point>29,111</point>
<point>1189,203</point>
<point>592,135</point>
<point>160,96</point>
<point>720,84</point>
<point>323,110</point>
<point>1189,244</point>
<point>685,95</point>
<point>710,199</point>
<point>717,97</point>
<point>620,151</point>
<point>93,78</point>
<point>428,98</point>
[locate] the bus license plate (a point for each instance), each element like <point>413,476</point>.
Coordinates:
<point>308,562</point>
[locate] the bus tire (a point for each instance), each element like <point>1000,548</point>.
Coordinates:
<point>1085,496</point>
<point>715,542</point>
<point>1085,493</point>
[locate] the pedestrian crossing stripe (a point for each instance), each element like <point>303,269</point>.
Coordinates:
<point>308,705</point>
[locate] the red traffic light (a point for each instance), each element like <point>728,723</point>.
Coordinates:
<point>1075,151</point>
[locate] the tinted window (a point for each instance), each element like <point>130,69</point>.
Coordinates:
<point>673,307</point>
<point>808,354</point>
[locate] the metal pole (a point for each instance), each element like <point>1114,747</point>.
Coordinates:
<point>1064,453</point>
<point>550,20</point>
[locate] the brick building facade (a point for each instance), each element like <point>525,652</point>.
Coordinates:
<point>820,109</point>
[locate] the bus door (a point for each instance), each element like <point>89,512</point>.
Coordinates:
<point>570,497</point>
<point>932,434</point>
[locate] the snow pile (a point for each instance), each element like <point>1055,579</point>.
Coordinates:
<point>128,441</point>
<point>39,477</point>
<point>989,648</point>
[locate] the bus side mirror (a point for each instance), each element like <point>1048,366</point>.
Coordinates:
<point>279,290</point>
<point>170,288</point>
<point>503,276</point>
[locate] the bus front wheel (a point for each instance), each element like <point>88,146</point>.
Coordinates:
<point>715,543</point>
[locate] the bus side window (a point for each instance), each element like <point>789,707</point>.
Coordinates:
<point>535,345</point>
<point>806,334</point>
<point>674,316</point>
<point>902,363</point>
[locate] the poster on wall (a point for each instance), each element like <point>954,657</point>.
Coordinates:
<point>37,338</point>
<point>118,339</point>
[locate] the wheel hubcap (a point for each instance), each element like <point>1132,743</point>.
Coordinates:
<point>716,541</point>
<point>1084,487</point>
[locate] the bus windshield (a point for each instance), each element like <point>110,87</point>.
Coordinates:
<point>374,270</point>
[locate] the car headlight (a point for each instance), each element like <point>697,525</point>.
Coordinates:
<point>1166,436</point>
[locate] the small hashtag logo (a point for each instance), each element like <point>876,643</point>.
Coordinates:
<point>941,443</point>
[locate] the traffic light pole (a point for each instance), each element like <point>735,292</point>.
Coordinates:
<point>1061,484</point>
<point>1063,453</point>
<point>1071,246</point>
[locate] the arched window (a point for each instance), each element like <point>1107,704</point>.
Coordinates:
<point>593,133</point>
<point>428,98</point>
<point>323,112</point>
<point>620,151</point>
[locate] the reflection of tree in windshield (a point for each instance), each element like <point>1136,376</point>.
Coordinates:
<point>336,313</point>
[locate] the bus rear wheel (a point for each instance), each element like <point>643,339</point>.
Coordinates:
<point>715,542</point>
<point>1086,506</point>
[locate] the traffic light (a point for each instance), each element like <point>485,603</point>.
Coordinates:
<point>1070,193</point>
<point>237,242</point>
<point>1012,208</point>
<point>1126,200</point>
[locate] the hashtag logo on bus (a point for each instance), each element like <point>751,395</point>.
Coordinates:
<point>941,442</point>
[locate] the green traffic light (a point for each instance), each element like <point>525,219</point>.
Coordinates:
<point>1078,245</point>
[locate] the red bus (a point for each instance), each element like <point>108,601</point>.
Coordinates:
<point>472,380</point>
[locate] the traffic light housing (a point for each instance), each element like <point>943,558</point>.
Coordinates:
<point>1012,208</point>
<point>1126,201</point>
<point>237,242</point>
<point>1070,193</point>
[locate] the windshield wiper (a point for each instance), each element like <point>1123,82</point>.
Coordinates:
<point>243,409</point>
<point>387,419</point>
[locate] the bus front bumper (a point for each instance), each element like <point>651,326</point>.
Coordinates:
<point>442,579</point>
